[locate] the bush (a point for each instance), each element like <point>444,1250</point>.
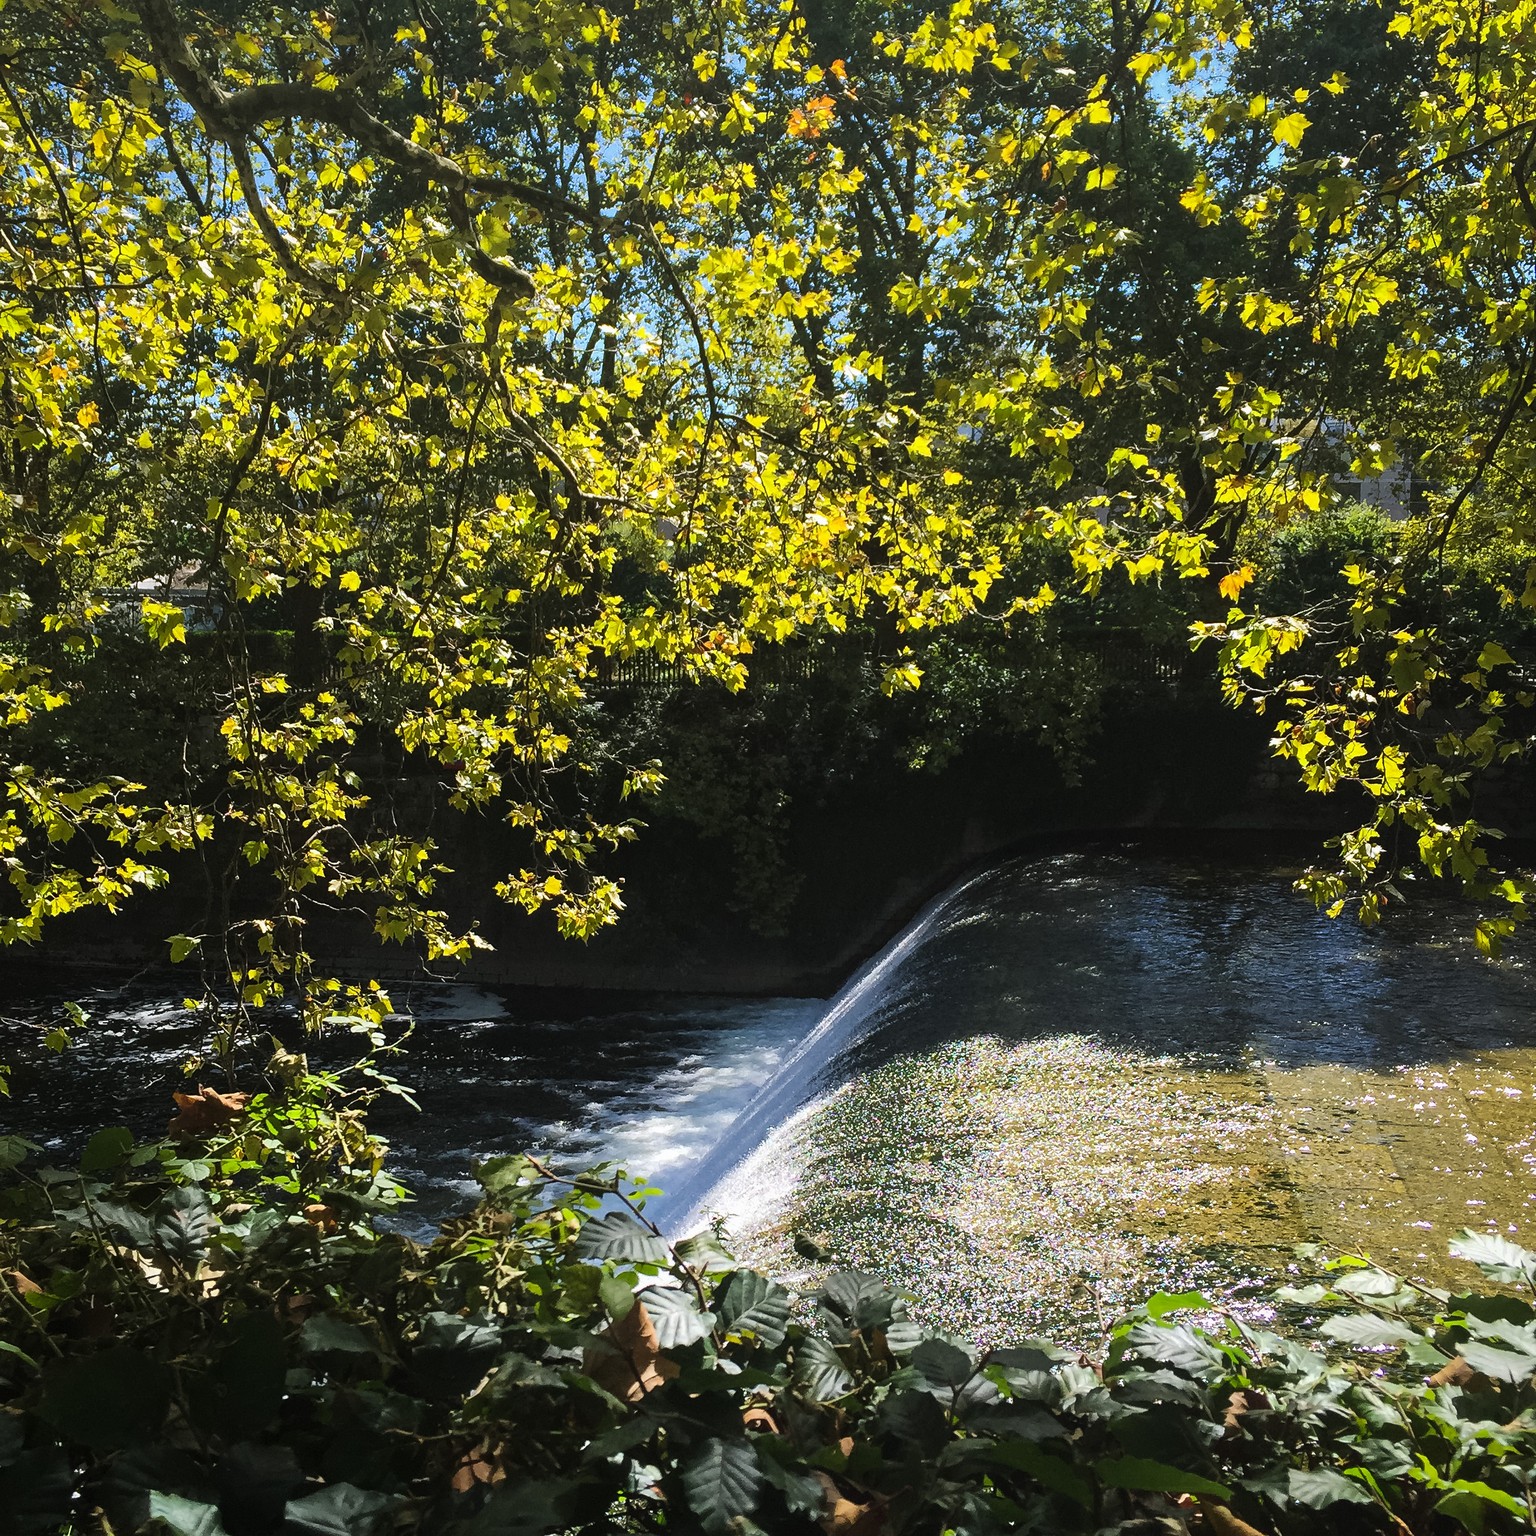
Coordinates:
<point>221,1334</point>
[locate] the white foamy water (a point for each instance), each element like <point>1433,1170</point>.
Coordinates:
<point>739,1179</point>
<point>666,1127</point>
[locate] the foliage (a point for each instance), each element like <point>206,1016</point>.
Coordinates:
<point>218,1333</point>
<point>479,349</point>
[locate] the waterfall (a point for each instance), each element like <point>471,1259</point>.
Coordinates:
<point>844,1024</point>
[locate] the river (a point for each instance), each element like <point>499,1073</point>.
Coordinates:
<point>1072,1080</point>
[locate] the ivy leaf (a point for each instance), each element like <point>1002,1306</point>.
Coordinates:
<point>722,1482</point>
<point>184,1225</point>
<point>751,1303</point>
<point>675,1314</point>
<point>617,1235</point>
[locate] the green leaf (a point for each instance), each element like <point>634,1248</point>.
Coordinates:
<point>7,1348</point>
<point>1464,1504</point>
<point>14,1150</point>
<point>1496,1256</point>
<point>1366,1331</point>
<point>705,1252</point>
<point>1290,128</point>
<point>185,1517</point>
<point>1368,1282</point>
<point>528,1508</point>
<point>802,1489</point>
<point>751,1303</point>
<point>503,1176</point>
<point>618,1298</point>
<point>942,1366</point>
<point>617,1235</point>
<point>722,1482</point>
<point>340,1510</point>
<point>241,1391</point>
<point>1179,1346</point>
<point>184,1225</point>
<point>819,1371</point>
<point>1493,655</point>
<point>132,1224</point>
<point>1164,1302</point>
<point>452,1353</point>
<point>326,1333</point>
<point>36,1491</point>
<point>106,1149</point>
<point>1157,1477</point>
<point>1049,1471</point>
<point>675,1315</point>
<point>1322,1486</point>
<point>1500,1364</point>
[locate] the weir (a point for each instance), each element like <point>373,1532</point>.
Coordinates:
<point>845,1023</point>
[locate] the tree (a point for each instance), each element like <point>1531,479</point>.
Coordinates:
<point>442,355</point>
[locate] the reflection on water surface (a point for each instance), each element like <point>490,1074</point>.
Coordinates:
<point>1078,1079</point>
<point>1100,1075</point>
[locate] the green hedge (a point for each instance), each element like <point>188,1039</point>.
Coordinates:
<point>220,1333</point>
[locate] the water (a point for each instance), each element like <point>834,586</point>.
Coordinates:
<point>1099,1075</point>
<point>1072,1081</point>
<point>650,1086</point>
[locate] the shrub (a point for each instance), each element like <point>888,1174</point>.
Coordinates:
<point>223,1334</point>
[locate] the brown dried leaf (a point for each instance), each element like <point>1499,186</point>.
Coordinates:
<point>481,1465</point>
<point>1240,1403</point>
<point>1220,1521</point>
<point>1457,1373</point>
<point>206,1111</point>
<point>628,1361</point>
<point>845,1518</point>
<point>325,1217</point>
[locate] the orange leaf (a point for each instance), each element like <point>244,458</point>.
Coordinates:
<point>197,1114</point>
<point>1234,582</point>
